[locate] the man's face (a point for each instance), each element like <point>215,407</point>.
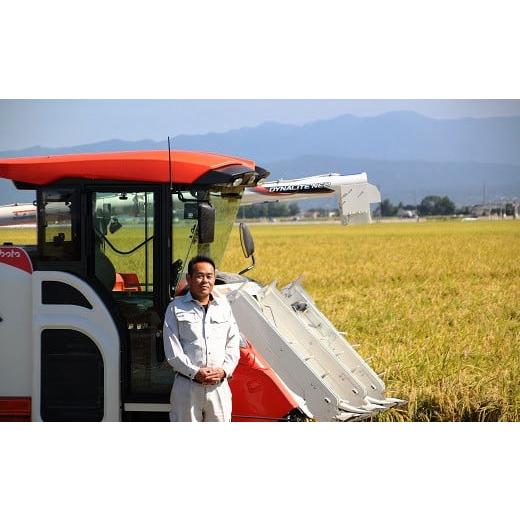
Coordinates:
<point>201,281</point>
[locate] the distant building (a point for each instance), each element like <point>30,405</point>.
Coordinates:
<point>312,214</point>
<point>501,209</point>
<point>406,213</point>
<point>481,210</point>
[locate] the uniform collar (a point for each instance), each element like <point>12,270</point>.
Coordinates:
<point>189,298</point>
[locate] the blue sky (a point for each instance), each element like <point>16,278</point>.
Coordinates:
<point>25,123</point>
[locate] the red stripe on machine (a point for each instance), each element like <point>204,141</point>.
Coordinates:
<point>16,257</point>
<point>15,409</point>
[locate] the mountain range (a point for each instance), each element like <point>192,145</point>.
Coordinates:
<point>406,154</point>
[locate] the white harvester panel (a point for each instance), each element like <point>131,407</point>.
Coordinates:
<point>95,323</point>
<point>330,390</point>
<point>285,361</point>
<point>15,322</point>
<point>25,315</point>
<point>308,353</point>
<point>355,200</point>
<point>330,339</point>
<point>301,302</point>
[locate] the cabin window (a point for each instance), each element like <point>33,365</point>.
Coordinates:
<point>184,228</point>
<point>226,207</point>
<point>59,225</point>
<point>124,241</point>
<point>184,232</point>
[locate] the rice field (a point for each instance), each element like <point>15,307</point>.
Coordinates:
<point>434,306</point>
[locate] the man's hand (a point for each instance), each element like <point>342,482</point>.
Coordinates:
<point>209,376</point>
<point>203,374</point>
<point>216,376</point>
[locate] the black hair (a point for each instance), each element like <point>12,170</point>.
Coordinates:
<point>197,259</point>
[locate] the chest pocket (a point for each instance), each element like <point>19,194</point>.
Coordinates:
<point>190,326</point>
<point>219,326</point>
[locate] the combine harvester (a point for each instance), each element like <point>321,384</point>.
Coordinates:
<point>81,312</point>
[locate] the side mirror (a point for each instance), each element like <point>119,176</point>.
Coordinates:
<point>248,246</point>
<point>115,225</point>
<point>246,241</point>
<point>206,223</point>
<point>175,272</point>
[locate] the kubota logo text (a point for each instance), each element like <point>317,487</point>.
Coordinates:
<point>10,253</point>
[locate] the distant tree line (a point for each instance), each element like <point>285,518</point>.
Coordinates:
<point>435,205</point>
<point>269,210</point>
<point>429,206</point>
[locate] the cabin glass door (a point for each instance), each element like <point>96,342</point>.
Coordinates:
<point>127,264</point>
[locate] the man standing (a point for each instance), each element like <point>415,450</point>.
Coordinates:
<point>201,343</point>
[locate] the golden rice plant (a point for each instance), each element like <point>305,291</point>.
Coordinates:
<point>435,306</point>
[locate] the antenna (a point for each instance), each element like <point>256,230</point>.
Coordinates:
<point>170,164</point>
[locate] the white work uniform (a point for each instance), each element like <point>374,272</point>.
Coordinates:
<point>195,338</point>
